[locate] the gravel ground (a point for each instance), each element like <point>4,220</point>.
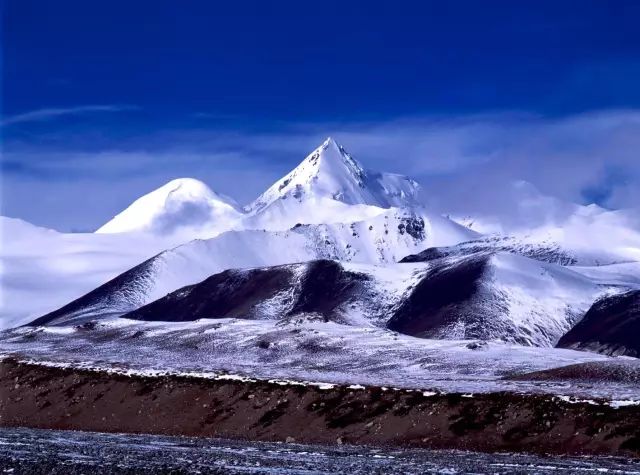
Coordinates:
<point>29,451</point>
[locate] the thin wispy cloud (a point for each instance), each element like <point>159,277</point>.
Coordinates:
<point>41,115</point>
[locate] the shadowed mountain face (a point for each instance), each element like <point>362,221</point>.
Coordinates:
<point>448,298</point>
<point>321,287</point>
<point>442,299</point>
<point>611,326</point>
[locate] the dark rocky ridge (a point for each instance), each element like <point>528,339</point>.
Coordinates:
<point>452,293</point>
<point>454,298</point>
<point>458,299</point>
<point>611,326</point>
<point>324,288</point>
<point>551,253</point>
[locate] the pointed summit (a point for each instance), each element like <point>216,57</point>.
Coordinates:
<point>330,173</point>
<point>330,144</point>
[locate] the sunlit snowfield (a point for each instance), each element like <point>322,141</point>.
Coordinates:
<point>64,452</point>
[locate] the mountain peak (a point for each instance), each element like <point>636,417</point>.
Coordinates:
<point>331,144</point>
<point>331,173</point>
<point>332,161</point>
<point>329,141</point>
<point>178,203</point>
<point>318,188</point>
<point>183,187</point>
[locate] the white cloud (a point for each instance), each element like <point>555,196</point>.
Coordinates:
<point>54,113</point>
<point>473,158</point>
<point>463,162</point>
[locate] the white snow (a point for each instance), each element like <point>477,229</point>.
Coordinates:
<point>330,173</point>
<point>626,275</point>
<point>41,269</point>
<point>184,205</point>
<point>542,300</point>
<point>597,236</point>
<point>328,186</point>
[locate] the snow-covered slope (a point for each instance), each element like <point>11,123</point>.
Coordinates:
<point>626,276</point>
<point>542,249</point>
<point>41,269</point>
<point>383,239</point>
<point>605,237</point>
<point>592,235</point>
<point>495,296</point>
<point>486,296</point>
<point>311,351</point>
<point>184,205</point>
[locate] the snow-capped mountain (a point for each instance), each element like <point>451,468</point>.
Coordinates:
<point>181,205</point>
<point>382,240</point>
<point>330,186</point>
<point>519,208</point>
<point>330,173</point>
<point>598,235</point>
<point>486,296</point>
<point>529,286</point>
<point>337,198</point>
<point>495,296</point>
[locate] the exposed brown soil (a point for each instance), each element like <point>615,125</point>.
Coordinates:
<point>43,397</point>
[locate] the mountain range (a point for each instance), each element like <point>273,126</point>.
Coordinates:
<point>335,241</point>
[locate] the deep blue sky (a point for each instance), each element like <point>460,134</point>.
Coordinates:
<point>292,60</point>
<point>142,76</point>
